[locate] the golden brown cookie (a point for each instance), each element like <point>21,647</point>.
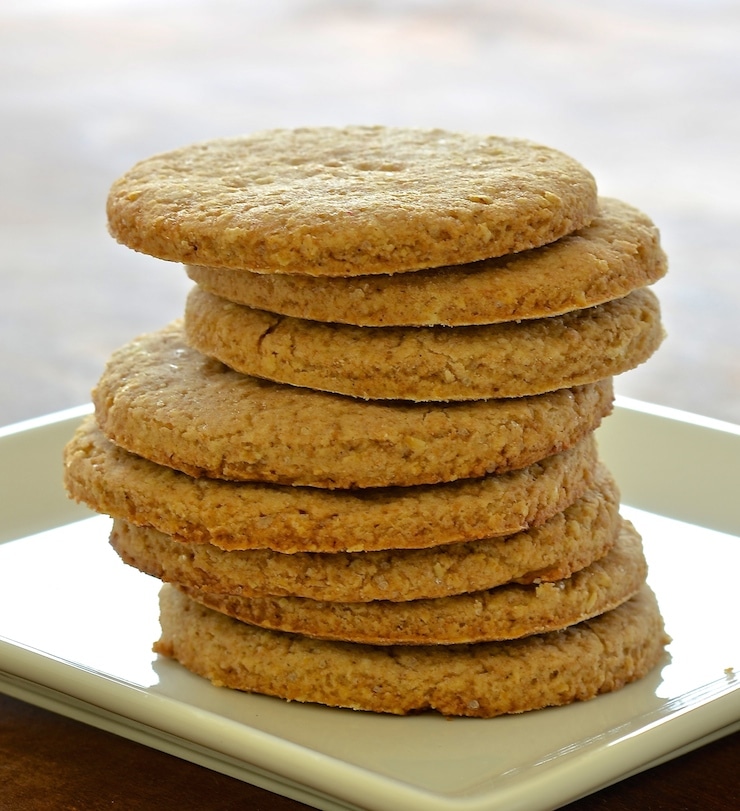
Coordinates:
<point>343,201</point>
<point>568,542</point>
<point>425,364</point>
<point>255,515</point>
<point>506,612</point>
<point>616,254</point>
<point>483,680</point>
<point>164,401</point>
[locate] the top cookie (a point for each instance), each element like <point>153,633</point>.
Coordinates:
<point>346,201</point>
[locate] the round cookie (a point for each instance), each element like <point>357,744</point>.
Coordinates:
<point>506,612</point>
<point>345,201</point>
<point>167,402</point>
<point>482,680</point>
<point>426,364</point>
<point>617,253</point>
<point>568,542</point>
<point>255,515</point>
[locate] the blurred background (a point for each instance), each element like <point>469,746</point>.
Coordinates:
<point>645,93</point>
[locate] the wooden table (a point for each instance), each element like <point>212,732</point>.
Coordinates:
<point>51,763</point>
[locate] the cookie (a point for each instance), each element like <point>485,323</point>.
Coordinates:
<point>253,515</point>
<point>167,402</point>
<point>568,542</point>
<point>482,680</point>
<point>617,253</point>
<point>506,612</point>
<point>353,200</point>
<point>425,364</point>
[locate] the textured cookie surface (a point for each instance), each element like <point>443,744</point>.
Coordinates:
<point>253,515</point>
<point>483,680</point>
<point>341,201</point>
<point>164,401</point>
<point>506,612</point>
<point>617,253</point>
<point>569,541</point>
<point>424,364</point>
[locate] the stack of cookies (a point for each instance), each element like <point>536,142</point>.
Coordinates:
<point>363,463</point>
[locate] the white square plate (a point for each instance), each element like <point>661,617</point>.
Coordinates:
<point>77,626</point>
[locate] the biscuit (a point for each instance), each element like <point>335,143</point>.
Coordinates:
<point>617,253</point>
<point>254,515</point>
<point>506,612</point>
<point>568,542</point>
<point>167,402</point>
<point>343,201</point>
<point>425,364</point>
<point>482,680</point>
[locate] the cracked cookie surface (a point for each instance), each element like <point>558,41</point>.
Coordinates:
<point>425,364</point>
<point>163,400</point>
